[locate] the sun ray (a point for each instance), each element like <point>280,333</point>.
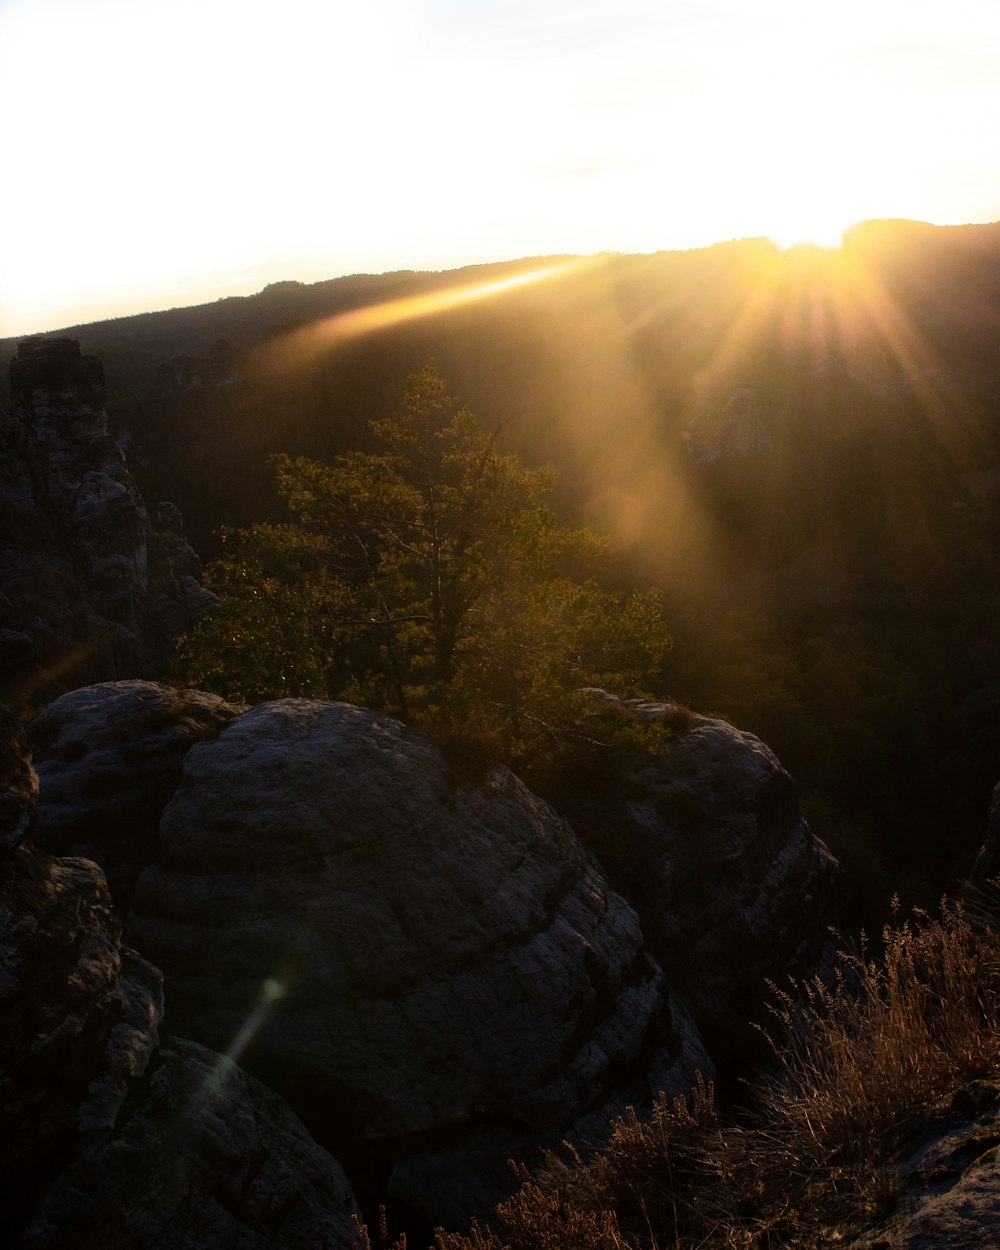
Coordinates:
<point>743,324</point>
<point>299,346</point>
<point>921,371</point>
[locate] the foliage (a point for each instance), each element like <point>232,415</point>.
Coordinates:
<point>429,576</point>
<point>278,624</point>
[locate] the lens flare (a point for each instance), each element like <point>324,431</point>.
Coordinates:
<point>272,991</point>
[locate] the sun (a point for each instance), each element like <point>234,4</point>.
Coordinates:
<point>811,229</point>
<point>786,239</point>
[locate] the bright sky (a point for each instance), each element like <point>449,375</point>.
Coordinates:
<point>168,152</point>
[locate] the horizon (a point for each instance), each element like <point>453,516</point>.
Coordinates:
<point>171,156</point>
<point>461,267</point>
<point>467,292</point>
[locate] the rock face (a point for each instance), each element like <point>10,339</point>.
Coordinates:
<point>88,588</point>
<point>987,865</point>
<point>434,973</point>
<point>707,843</point>
<point>108,1138</point>
<point>945,1182</point>
<point>109,757</point>
<point>409,959</point>
<point>18,784</point>
<point>206,1158</point>
<point>732,431</point>
<point>186,373</point>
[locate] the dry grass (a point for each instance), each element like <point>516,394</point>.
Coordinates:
<point>857,1061</point>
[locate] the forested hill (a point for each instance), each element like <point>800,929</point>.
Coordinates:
<point>599,366</point>
<point>801,448</point>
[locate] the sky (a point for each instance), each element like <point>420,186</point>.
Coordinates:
<point>158,154</point>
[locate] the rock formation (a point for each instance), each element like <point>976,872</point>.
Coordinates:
<point>109,757</point>
<point>707,843</point>
<point>187,373</point>
<point>987,866</point>
<point>433,972</point>
<point>409,959</point>
<point>88,588</point>
<point>109,1138</point>
<point>943,1183</point>
<point>733,431</point>
<point>204,1158</point>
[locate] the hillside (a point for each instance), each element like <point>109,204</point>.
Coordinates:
<point>802,449</point>
<point>599,366</point>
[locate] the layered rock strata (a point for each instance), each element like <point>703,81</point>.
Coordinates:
<point>435,973</point>
<point>109,1138</point>
<point>941,1187</point>
<point>109,758</point>
<point>707,842</point>
<point>89,589</point>
<point>434,966</point>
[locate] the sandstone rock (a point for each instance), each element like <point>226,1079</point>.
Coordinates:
<point>16,649</point>
<point>707,843</point>
<point>733,431</point>
<point>78,1018</point>
<point>187,373</point>
<point>987,865</point>
<point>18,784</point>
<point>206,1159</point>
<point>396,952</point>
<point>105,1139</point>
<point>944,1183</point>
<point>83,572</point>
<point>170,527</point>
<point>110,758</point>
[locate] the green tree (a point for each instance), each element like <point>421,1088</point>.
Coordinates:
<point>279,623</point>
<point>428,575</point>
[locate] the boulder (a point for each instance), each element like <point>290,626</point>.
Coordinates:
<point>410,959</point>
<point>206,1158</point>
<point>78,1016</point>
<point>109,757</point>
<point>706,841</point>
<point>108,1138</point>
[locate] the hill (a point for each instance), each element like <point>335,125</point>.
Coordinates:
<point>801,448</point>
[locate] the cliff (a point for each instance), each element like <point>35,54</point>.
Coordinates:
<point>90,587</point>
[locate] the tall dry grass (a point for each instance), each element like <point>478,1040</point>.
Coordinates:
<point>859,1059</point>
